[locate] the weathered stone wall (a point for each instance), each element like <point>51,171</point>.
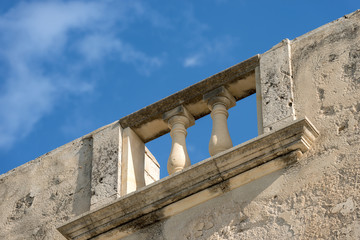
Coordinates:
<point>316,198</point>
<point>319,196</point>
<point>42,194</point>
<point>45,192</point>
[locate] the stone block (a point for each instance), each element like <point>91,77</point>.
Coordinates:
<point>152,168</point>
<point>277,86</point>
<point>132,162</point>
<point>106,164</point>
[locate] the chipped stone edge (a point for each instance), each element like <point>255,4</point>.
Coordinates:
<point>56,150</point>
<point>344,18</point>
<point>163,198</point>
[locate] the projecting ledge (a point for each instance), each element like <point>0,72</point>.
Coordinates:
<point>196,184</point>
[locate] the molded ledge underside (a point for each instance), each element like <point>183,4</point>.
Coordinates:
<point>194,185</point>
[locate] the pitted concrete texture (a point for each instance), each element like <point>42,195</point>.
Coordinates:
<point>317,209</point>
<point>277,86</point>
<point>106,165</point>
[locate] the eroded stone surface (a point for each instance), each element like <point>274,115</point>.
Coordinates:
<point>277,86</point>
<point>319,197</point>
<point>48,191</point>
<point>106,164</point>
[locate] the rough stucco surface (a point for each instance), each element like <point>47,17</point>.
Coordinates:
<point>45,193</point>
<point>106,165</point>
<point>319,196</point>
<point>48,191</point>
<point>276,86</point>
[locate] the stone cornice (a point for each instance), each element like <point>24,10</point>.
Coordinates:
<point>196,184</point>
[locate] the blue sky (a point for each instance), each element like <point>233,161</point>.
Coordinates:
<point>70,67</point>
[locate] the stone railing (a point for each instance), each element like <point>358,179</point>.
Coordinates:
<point>282,140</point>
<point>197,184</point>
<point>214,95</point>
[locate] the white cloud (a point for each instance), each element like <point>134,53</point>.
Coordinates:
<point>23,103</point>
<point>202,48</point>
<point>47,46</point>
<point>40,71</point>
<point>192,61</point>
<point>208,50</point>
<point>35,29</point>
<point>94,47</point>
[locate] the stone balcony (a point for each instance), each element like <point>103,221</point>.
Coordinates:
<point>289,182</point>
<point>282,140</point>
<point>194,185</point>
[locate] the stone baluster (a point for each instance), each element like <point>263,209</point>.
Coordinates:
<point>178,119</point>
<point>219,101</point>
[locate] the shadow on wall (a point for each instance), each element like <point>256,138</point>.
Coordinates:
<point>213,218</point>
<point>82,195</point>
<point>224,217</point>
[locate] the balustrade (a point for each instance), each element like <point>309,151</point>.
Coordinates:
<point>219,101</point>
<point>177,112</point>
<point>178,119</point>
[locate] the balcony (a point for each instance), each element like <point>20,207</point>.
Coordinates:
<point>229,167</point>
